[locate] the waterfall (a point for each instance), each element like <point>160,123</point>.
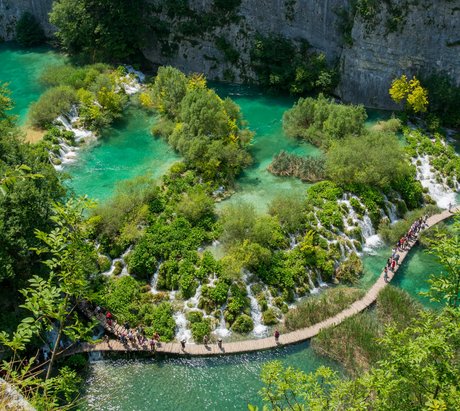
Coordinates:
<point>222,330</point>
<point>292,241</point>
<point>182,332</point>
<point>313,289</point>
<point>153,283</point>
<point>195,300</point>
<point>321,283</point>
<point>124,270</point>
<point>260,330</point>
<point>440,193</point>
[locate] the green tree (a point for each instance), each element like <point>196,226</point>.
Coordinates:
<point>410,91</point>
<point>52,301</point>
<point>374,159</point>
<point>446,285</point>
<point>110,30</point>
<point>29,32</point>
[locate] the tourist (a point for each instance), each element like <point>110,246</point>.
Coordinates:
<point>126,325</point>
<point>450,207</point>
<point>156,336</point>
<point>108,318</point>
<point>277,336</point>
<point>106,338</point>
<point>393,265</point>
<point>182,343</point>
<point>205,340</point>
<point>152,344</point>
<point>389,262</point>
<point>97,310</point>
<point>396,258</point>
<point>219,343</point>
<point>385,274</point>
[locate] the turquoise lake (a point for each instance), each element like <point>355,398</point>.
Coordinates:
<point>126,150</point>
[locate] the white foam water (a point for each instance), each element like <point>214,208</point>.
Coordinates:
<point>439,192</point>
<point>260,330</point>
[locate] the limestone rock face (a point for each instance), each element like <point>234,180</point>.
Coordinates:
<point>427,41</point>
<point>11,11</point>
<point>403,36</point>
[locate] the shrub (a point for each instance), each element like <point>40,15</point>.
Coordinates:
<point>29,32</point>
<point>289,209</point>
<point>104,263</point>
<point>243,324</point>
<point>320,121</point>
<point>52,103</point>
<point>310,169</point>
<point>350,270</point>
<point>200,329</point>
<point>269,317</point>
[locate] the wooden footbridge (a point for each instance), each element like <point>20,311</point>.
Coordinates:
<point>247,345</point>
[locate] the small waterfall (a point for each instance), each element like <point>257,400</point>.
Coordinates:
<point>321,283</point>
<point>94,356</point>
<point>260,330</point>
<point>313,289</point>
<point>222,330</point>
<point>390,210</point>
<point>182,332</point>
<point>153,283</point>
<point>292,241</point>
<point>195,300</point>
<point>440,193</point>
<point>121,260</point>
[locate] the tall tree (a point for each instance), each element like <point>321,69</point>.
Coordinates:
<point>110,30</point>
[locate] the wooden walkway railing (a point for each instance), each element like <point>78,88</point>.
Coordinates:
<point>255,344</point>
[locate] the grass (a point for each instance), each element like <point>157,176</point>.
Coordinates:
<point>316,309</point>
<point>354,343</point>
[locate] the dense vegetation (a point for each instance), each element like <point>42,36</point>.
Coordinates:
<point>283,65</point>
<point>29,33</point>
<point>207,131</point>
<point>404,358</point>
<point>101,30</point>
<point>96,89</point>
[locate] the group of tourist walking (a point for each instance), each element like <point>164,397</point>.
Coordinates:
<point>404,244</point>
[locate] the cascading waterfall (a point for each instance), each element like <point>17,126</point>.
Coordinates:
<point>439,192</point>
<point>321,283</point>
<point>292,241</point>
<point>222,330</point>
<point>153,283</point>
<point>121,260</point>
<point>313,289</point>
<point>182,331</point>
<point>260,329</point>
<point>94,356</point>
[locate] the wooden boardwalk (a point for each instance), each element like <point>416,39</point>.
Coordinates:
<point>261,343</point>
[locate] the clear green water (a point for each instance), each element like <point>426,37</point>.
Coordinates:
<point>411,277</point>
<point>21,69</point>
<point>124,151</point>
<point>264,114</point>
<point>226,383</point>
<point>127,150</point>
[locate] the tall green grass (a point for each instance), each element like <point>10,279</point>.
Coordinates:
<point>354,343</point>
<point>316,309</point>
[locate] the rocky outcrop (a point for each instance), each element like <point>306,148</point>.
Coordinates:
<point>425,39</point>
<point>399,36</point>
<point>11,11</point>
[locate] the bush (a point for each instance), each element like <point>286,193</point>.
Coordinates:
<point>283,65</point>
<point>320,121</point>
<point>289,209</point>
<point>269,317</point>
<point>310,169</point>
<point>104,263</point>
<point>243,324</point>
<point>162,322</point>
<point>374,159</point>
<point>350,270</point>
<point>52,103</point>
<point>200,329</point>
<point>29,32</point>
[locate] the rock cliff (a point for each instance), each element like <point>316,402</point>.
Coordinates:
<point>393,37</point>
